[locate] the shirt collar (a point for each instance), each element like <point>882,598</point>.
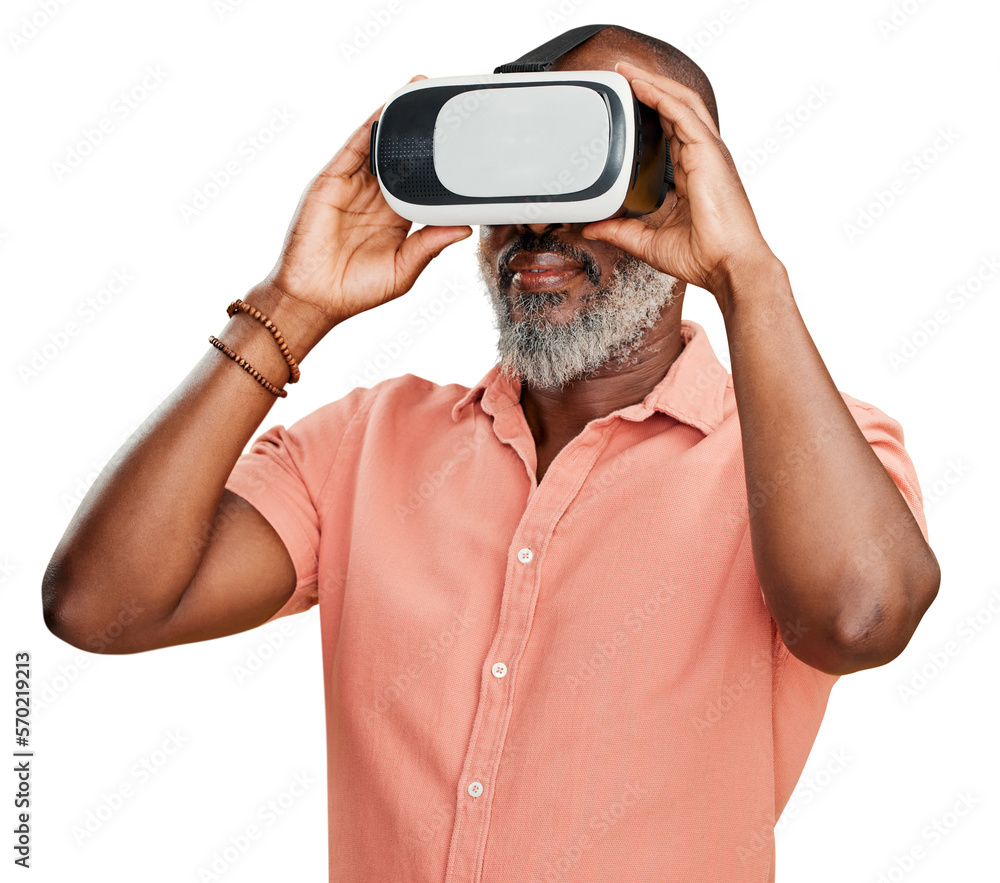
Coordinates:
<point>692,390</point>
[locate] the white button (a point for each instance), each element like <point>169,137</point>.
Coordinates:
<point>475,789</point>
<point>525,555</point>
<point>499,669</point>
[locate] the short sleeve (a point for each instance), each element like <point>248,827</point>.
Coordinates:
<point>282,476</point>
<point>885,436</point>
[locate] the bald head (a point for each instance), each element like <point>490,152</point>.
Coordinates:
<point>615,43</point>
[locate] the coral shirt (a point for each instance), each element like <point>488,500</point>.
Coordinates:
<point>576,680</point>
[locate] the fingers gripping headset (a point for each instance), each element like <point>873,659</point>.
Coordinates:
<point>524,144</point>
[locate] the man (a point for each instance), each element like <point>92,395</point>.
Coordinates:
<point>580,622</point>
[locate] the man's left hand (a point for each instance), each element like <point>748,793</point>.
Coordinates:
<point>710,235</point>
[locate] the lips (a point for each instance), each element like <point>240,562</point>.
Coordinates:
<point>542,270</point>
<point>546,261</point>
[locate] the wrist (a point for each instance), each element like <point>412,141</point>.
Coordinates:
<point>748,278</point>
<point>302,324</point>
<point>300,327</point>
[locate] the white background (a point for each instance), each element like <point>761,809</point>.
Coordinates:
<point>226,68</point>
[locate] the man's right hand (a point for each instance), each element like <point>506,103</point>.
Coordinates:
<point>346,251</point>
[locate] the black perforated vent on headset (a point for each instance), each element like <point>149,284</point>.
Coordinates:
<point>407,167</point>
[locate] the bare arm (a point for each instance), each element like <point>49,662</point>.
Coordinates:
<point>158,545</point>
<point>823,513</point>
<point>157,535</point>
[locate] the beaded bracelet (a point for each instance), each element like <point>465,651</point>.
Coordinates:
<point>253,372</point>
<point>239,305</point>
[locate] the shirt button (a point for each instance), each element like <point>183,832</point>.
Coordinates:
<point>525,555</point>
<point>475,789</point>
<point>499,669</point>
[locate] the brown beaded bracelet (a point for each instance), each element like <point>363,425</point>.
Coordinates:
<point>239,305</point>
<point>253,372</point>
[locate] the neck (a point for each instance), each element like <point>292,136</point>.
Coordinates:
<point>556,416</point>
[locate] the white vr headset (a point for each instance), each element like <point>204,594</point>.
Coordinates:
<point>522,145</point>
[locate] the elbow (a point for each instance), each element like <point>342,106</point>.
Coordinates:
<point>77,612</point>
<point>888,621</point>
<point>875,621</point>
<point>91,608</point>
<point>54,597</point>
<point>57,604</point>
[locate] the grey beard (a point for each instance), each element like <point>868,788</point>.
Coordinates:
<point>610,327</point>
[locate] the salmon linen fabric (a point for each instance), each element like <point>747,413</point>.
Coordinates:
<point>576,680</point>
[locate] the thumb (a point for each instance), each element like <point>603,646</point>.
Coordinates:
<point>421,247</point>
<point>628,234</point>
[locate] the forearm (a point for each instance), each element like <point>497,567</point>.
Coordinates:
<point>818,495</point>
<point>140,533</point>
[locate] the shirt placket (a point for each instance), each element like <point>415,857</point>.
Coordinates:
<point>526,555</point>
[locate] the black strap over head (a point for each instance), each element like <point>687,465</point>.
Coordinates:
<point>541,58</point>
